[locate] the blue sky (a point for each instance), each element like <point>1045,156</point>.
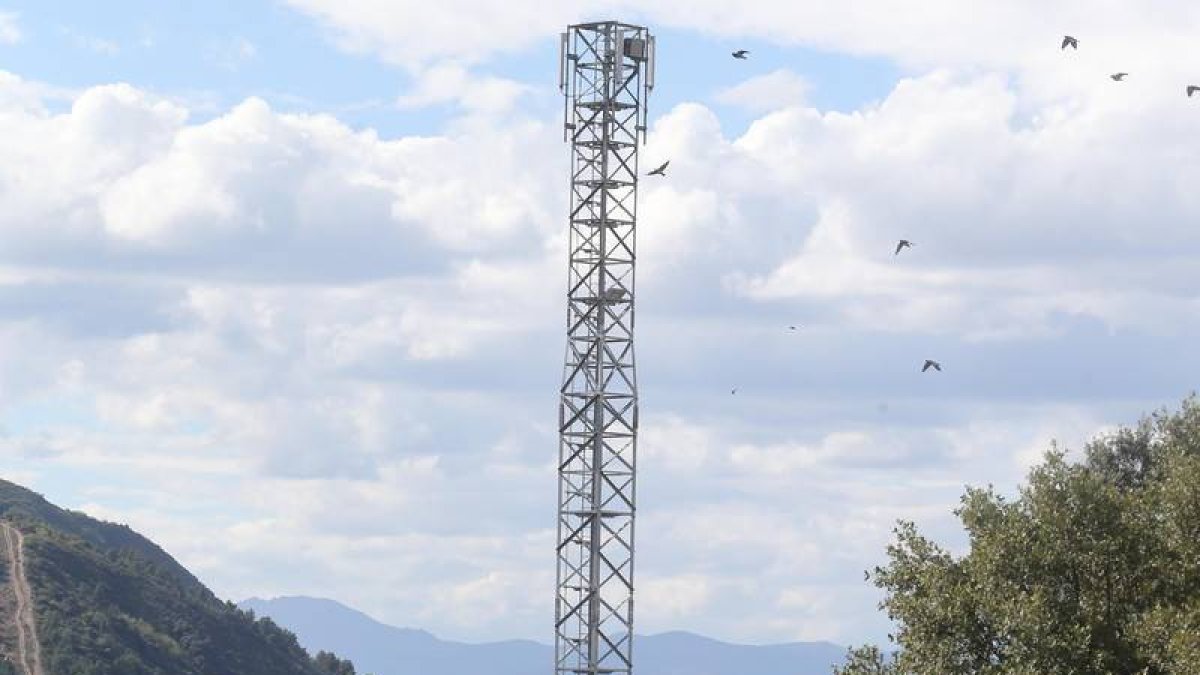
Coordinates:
<point>281,287</point>
<point>216,54</point>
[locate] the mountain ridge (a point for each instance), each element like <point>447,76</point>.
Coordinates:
<point>382,649</point>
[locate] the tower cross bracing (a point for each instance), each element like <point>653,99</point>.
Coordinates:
<point>606,72</point>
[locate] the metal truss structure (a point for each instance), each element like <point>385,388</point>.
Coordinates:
<point>606,72</point>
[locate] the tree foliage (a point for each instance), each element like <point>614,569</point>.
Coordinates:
<point>331,664</point>
<point>1092,568</point>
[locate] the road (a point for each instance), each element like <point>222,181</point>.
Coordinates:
<point>29,651</point>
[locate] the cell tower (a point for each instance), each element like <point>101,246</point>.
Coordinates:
<point>606,72</point>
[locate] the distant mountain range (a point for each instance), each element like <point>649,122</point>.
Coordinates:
<point>381,649</point>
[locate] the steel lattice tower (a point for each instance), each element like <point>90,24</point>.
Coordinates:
<point>606,72</point>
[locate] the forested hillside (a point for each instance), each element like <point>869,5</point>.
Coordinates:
<point>109,602</point>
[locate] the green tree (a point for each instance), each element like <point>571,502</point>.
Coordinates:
<point>328,662</point>
<point>867,660</point>
<point>1092,569</point>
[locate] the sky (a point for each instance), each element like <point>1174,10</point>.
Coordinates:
<point>282,286</point>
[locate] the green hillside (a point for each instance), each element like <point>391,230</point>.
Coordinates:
<point>111,602</point>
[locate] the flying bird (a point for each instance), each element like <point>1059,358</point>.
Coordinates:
<point>1069,41</point>
<point>791,328</point>
<point>740,54</point>
<point>1192,89</point>
<point>1119,77</point>
<point>660,171</point>
<point>930,363</point>
<point>733,391</point>
<point>901,245</point>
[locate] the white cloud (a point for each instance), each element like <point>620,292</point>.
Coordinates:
<point>10,29</point>
<point>764,93</point>
<point>671,599</point>
<point>998,34</point>
<point>154,184</point>
<point>413,33</point>
<point>453,83</point>
<point>675,444</point>
<point>974,186</point>
<point>19,94</point>
<point>296,352</point>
